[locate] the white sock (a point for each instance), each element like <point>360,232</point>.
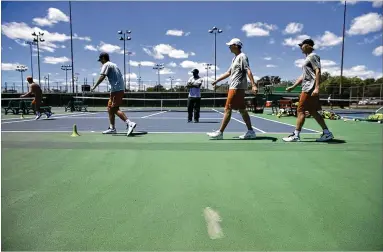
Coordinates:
<point>326,131</point>
<point>297,132</point>
<point>127,121</point>
<point>111,126</point>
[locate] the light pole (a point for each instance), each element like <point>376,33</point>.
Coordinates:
<point>139,76</point>
<point>214,31</point>
<point>159,67</point>
<point>66,68</point>
<point>124,37</point>
<point>171,83</point>
<point>129,53</point>
<point>38,39</point>
<point>21,69</point>
<point>208,67</point>
<point>30,43</point>
<point>341,67</point>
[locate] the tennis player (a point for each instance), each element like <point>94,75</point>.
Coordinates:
<point>35,90</point>
<point>238,85</point>
<point>117,88</point>
<point>194,100</point>
<point>309,98</point>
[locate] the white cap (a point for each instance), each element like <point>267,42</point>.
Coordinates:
<point>235,41</point>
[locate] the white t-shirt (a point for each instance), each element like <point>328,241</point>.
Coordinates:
<point>114,76</point>
<point>195,90</point>
<point>238,72</point>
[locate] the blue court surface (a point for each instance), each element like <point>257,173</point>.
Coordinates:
<point>150,122</point>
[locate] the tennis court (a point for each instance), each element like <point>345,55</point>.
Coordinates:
<point>151,191</point>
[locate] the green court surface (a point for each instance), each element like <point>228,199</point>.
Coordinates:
<point>149,192</point>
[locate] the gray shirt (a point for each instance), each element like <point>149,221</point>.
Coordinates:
<point>195,90</point>
<point>114,75</point>
<point>311,63</point>
<point>238,72</point>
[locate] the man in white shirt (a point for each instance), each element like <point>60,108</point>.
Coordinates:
<point>117,88</point>
<point>194,101</point>
<point>238,72</point>
<point>309,98</point>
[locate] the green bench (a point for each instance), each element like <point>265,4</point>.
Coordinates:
<point>76,106</point>
<point>23,107</point>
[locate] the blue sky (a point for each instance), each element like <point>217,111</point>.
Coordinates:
<point>176,34</point>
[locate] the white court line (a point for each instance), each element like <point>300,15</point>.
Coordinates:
<point>53,117</point>
<point>155,114</point>
<point>18,118</point>
<point>154,132</point>
<point>240,121</point>
<point>155,118</point>
<point>283,123</point>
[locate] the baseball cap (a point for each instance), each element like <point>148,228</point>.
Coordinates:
<point>103,55</point>
<point>235,41</point>
<point>195,70</point>
<point>307,41</point>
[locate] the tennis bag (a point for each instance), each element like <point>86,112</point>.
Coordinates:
<point>330,115</point>
<point>376,117</point>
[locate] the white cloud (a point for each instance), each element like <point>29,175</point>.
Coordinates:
<point>166,71</point>
<point>293,42</point>
<point>367,23</point>
<point>53,17</point>
<point>272,41</point>
<point>187,34</point>
<point>378,51</point>
<point>293,28</point>
<point>192,54</point>
<point>23,32</point>
<point>332,68</point>
<point>375,3</point>
<point>258,29</point>
<point>133,76</point>
<point>177,33</point>
<point>109,48</point>
<point>54,60</point>
<point>90,48</point>
<point>160,50</point>
<point>328,39</point>
<point>270,65</point>
<point>370,40</point>
<point>200,66</point>
<point>172,64</point>
<point>143,63</point>
<point>94,74</point>
<point>9,66</point>
<point>267,58</point>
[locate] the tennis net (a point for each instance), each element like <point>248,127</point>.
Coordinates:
<point>153,105</point>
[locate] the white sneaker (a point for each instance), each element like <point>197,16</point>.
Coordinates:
<point>292,138</point>
<point>130,127</point>
<point>325,137</point>
<point>250,134</point>
<point>217,135</point>
<point>37,116</point>
<point>110,131</point>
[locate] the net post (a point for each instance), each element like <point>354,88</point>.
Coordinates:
<point>161,104</point>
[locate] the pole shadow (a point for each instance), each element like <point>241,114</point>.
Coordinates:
<point>334,141</point>
<point>273,139</point>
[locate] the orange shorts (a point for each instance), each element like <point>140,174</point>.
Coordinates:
<point>308,103</point>
<point>115,99</point>
<point>235,99</point>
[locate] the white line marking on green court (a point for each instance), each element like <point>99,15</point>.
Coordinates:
<point>155,114</point>
<point>240,121</point>
<point>30,116</point>
<point>213,219</point>
<point>155,132</point>
<point>282,123</point>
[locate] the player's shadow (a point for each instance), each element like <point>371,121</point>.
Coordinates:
<point>133,134</point>
<point>333,141</point>
<point>49,119</point>
<point>258,138</point>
